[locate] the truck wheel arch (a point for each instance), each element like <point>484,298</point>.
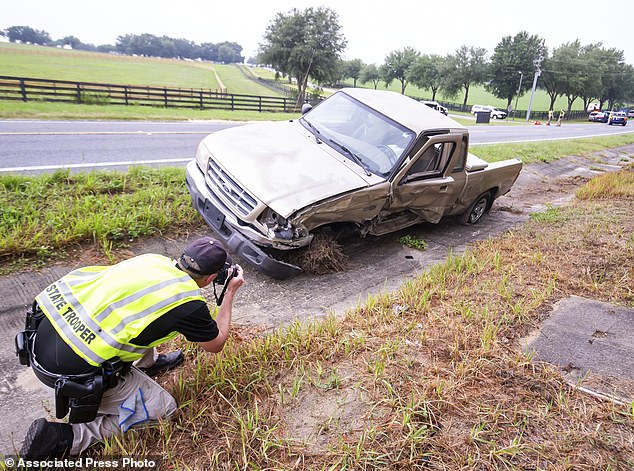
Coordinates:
<point>478,208</point>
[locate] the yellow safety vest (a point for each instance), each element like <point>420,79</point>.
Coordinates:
<point>98,310</point>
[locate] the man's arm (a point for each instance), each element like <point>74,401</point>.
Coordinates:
<point>223,319</point>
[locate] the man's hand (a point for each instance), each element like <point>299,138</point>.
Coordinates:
<point>236,280</point>
<point>223,319</point>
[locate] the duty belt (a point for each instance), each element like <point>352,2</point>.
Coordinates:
<point>81,394</point>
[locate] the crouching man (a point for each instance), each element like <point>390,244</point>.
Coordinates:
<point>91,336</point>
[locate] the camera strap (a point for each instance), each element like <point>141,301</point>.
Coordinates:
<point>222,293</point>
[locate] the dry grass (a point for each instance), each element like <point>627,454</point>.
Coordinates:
<point>429,377</point>
<point>324,255</point>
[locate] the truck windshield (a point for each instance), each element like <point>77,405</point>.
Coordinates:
<point>375,140</point>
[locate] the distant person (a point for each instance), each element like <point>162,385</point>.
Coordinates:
<point>560,117</point>
<point>91,336</point>
<point>550,117</point>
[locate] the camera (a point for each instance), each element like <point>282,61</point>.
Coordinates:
<point>225,273</point>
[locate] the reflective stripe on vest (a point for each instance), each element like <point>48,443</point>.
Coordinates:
<point>98,310</point>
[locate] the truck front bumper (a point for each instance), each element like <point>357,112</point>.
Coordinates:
<point>221,224</point>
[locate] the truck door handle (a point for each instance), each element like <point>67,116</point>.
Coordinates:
<point>443,189</point>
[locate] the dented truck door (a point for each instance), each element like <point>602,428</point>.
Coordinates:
<point>433,178</point>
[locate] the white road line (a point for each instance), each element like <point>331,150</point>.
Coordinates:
<point>95,164</point>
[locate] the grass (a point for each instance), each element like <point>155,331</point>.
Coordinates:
<point>52,63</point>
<point>42,110</point>
<point>431,376</point>
<point>43,215</point>
<point>548,151</point>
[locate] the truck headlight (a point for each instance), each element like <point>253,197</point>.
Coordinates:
<point>279,227</point>
<point>202,156</point>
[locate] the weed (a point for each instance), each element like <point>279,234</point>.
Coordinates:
<point>413,242</point>
<point>550,215</point>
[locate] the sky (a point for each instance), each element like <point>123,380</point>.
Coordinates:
<point>372,28</point>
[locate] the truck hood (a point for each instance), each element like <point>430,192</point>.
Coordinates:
<point>281,164</point>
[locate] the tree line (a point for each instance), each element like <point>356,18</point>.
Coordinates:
<point>307,45</point>
<point>135,44</point>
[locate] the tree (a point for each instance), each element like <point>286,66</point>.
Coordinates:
<point>521,53</point>
<point>26,34</point>
<point>370,73</point>
<point>591,65</point>
<point>230,53</point>
<point>426,72</point>
<point>397,65</point>
<point>71,41</point>
<point>567,64</point>
<point>563,73</point>
<point>304,44</point>
<point>468,66</point>
<point>614,79</point>
<point>208,51</point>
<point>352,69</point>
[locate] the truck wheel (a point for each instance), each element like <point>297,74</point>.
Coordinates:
<point>475,212</point>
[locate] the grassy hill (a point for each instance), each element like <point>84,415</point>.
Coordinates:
<point>60,64</point>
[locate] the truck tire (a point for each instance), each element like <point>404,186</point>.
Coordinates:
<point>478,209</point>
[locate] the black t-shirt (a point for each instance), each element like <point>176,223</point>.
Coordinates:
<point>191,319</point>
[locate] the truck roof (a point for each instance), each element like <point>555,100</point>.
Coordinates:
<point>403,109</point>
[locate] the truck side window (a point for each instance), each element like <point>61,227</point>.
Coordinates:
<point>462,161</point>
<point>432,162</point>
<point>428,160</point>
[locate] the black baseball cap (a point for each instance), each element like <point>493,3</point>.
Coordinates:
<point>204,256</point>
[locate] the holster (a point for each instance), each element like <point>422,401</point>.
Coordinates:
<point>80,394</point>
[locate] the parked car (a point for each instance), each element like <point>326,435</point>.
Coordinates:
<point>630,114</point>
<point>495,112</point>
<point>599,116</point>
<point>617,117</point>
<point>367,161</point>
<point>437,106</point>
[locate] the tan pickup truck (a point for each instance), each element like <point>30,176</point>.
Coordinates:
<point>369,160</point>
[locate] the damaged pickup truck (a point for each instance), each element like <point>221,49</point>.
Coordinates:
<point>368,160</point>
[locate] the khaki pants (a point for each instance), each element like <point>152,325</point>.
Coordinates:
<point>135,401</point>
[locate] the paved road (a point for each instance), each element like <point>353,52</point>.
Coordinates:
<point>38,146</point>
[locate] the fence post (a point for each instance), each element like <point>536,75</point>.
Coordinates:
<point>200,97</point>
<point>125,94</point>
<point>232,102</point>
<point>260,104</point>
<point>78,93</point>
<point>23,89</point>
<point>165,96</point>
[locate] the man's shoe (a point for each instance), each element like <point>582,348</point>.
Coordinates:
<point>164,363</point>
<point>46,440</point>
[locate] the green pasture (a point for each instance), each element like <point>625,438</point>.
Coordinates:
<point>60,64</point>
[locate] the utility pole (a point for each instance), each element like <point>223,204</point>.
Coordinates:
<point>518,93</point>
<point>538,72</point>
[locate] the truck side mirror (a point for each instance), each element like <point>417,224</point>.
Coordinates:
<point>306,107</point>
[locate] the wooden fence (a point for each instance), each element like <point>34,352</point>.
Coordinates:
<point>35,89</point>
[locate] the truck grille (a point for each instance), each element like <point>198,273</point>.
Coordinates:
<point>225,186</point>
